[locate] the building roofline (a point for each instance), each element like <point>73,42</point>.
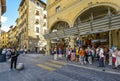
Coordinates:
<point>38,0</point>
<point>22,2</point>
<point>42,2</point>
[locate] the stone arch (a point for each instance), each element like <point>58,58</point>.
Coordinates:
<point>114,6</point>
<point>59,21</point>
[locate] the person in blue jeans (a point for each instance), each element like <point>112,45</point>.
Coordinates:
<point>60,52</point>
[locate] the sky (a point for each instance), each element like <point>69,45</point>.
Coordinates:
<point>11,14</point>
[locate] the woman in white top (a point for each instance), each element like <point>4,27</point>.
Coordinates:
<point>101,59</point>
<point>117,55</point>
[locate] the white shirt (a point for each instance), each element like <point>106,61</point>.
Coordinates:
<point>101,52</point>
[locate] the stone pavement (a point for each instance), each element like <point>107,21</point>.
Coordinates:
<point>44,68</point>
<point>94,66</point>
<point>4,67</point>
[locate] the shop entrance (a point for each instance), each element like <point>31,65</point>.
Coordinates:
<point>59,42</point>
<point>96,40</point>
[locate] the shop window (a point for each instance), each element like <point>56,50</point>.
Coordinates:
<point>37,29</point>
<point>57,8</point>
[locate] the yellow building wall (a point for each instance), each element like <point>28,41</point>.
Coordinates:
<point>4,39</point>
<point>71,9</point>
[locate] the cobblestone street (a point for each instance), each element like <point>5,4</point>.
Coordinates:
<point>44,68</point>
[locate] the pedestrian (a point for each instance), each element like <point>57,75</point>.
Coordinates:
<point>93,54</point>
<point>81,54</point>
<point>60,53</point>
<point>14,56</point>
<point>68,56</point>
<point>110,56</point>
<point>52,51</point>
<point>8,53</point>
<point>97,53</point>
<point>89,53</point>
<point>4,51</point>
<point>72,55</point>
<point>21,51</point>
<point>77,54</point>
<point>25,50</point>
<point>101,57</point>
<point>55,53</point>
<point>117,58</point>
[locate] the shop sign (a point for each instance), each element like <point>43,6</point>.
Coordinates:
<point>103,40</point>
<point>99,40</point>
<point>54,41</point>
<point>94,41</point>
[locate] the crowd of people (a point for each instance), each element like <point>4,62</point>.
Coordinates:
<point>82,55</point>
<point>89,55</point>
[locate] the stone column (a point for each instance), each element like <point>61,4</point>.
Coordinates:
<point>118,38</point>
<point>71,43</point>
<point>114,38</point>
<point>48,47</point>
<point>110,39</point>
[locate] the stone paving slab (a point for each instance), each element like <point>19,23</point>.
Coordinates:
<point>4,66</point>
<point>93,66</point>
<point>32,73</point>
<point>82,74</point>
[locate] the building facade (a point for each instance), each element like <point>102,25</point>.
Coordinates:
<point>2,8</point>
<point>4,40</point>
<point>12,37</point>
<point>32,24</point>
<point>2,11</point>
<point>87,22</point>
